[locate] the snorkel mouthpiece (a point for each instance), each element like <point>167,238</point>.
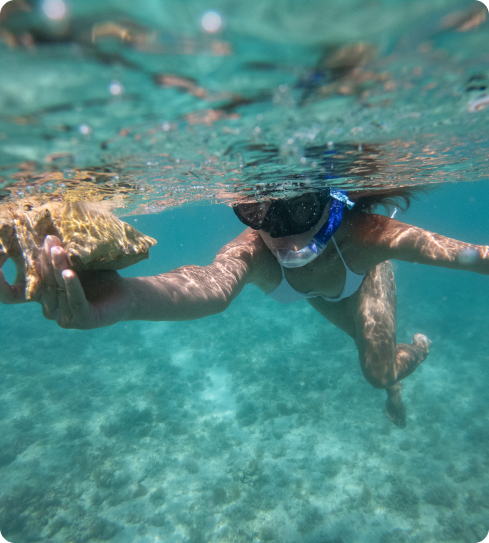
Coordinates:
<point>297,259</point>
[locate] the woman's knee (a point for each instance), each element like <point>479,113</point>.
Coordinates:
<point>379,375</point>
<point>380,382</point>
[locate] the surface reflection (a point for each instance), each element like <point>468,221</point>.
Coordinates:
<point>161,118</point>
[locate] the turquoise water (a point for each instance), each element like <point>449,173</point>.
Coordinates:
<point>255,424</point>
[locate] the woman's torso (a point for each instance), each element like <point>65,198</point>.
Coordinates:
<point>323,276</point>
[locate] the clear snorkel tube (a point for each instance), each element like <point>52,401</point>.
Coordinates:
<point>296,259</point>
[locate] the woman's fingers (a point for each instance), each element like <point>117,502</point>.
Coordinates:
<point>49,297</point>
<point>60,264</point>
<point>76,299</point>
<point>63,298</point>
<point>73,307</point>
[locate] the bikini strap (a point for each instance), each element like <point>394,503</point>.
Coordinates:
<point>339,252</point>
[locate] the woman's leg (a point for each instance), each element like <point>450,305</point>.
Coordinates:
<point>384,364</point>
<point>369,317</point>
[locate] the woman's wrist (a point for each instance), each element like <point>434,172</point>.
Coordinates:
<point>129,308</point>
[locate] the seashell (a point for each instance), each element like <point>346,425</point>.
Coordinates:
<point>93,238</point>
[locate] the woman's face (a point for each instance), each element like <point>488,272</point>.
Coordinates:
<point>297,241</point>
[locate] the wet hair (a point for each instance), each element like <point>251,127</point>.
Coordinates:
<point>400,197</point>
<point>355,162</point>
<point>366,200</point>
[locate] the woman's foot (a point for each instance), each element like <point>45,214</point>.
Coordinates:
<point>421,341</point>
<point>395,410</point>
<point>411,357</point>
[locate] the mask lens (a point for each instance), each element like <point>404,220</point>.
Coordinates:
<point>281,218</point>
<point>304,210</point>
<point>252,215</point>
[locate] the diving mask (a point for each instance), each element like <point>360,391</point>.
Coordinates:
<point>296,259</point>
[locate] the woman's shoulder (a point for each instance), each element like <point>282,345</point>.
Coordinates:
<point>362,227</point>
<point>362,238</point>
<point>375,238</point>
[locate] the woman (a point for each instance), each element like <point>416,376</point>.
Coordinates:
<point>318,246</point>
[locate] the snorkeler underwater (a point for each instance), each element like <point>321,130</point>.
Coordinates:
<point>243,271</point>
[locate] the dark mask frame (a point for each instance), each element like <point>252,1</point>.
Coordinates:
<point>281,218</point>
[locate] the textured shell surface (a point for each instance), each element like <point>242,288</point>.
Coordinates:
<point>93,237</point>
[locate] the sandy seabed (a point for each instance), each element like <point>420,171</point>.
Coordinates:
<point>253,425</point>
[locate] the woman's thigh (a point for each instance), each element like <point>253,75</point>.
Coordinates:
<point>338,313</point>
<point>375,319</point>
<point>369,317</point>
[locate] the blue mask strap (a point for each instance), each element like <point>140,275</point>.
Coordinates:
<point>334,220</point>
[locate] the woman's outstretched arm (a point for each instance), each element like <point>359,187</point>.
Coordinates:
<point>193,292</point>
<point>380,238</point>
<point>101,298</point>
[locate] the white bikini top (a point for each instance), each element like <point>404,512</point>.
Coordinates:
<point>286,294</point>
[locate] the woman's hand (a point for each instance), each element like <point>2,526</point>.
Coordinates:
<point>93,299</point>
<point>99,302</point>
